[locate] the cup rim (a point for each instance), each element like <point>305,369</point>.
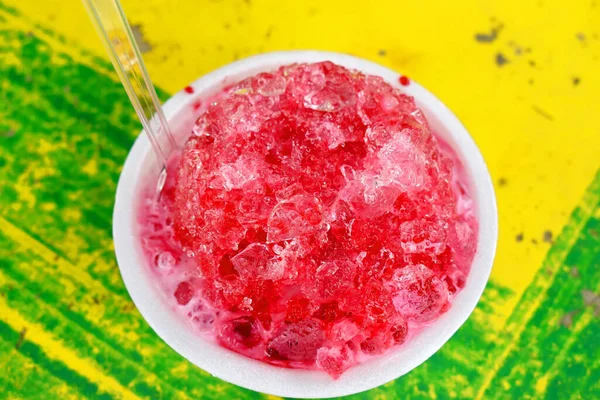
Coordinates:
<point>259,376</point>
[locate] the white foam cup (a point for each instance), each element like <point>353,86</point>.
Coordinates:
<point>256,375</point>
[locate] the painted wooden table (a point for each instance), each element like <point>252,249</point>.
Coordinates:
<point>522,76</point>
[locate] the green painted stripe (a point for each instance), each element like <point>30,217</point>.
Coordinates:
<point>582,365</point>
<point>22,378</point>
<point>56,368</point>
<point>42,300</point>
<point>85,106</point>
<point>86,340</point>
<point>9,9</point>
<point>97,61</point>
<point>545,336</point>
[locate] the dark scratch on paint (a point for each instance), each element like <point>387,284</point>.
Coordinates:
<point>140,39</point>
<point>269,32</point>
<point>534,241</point>
<point>501,59</point>
<point>576,80</point>
<point>519,237</point>
<point>489,37</point>
<point>542,113</point>
<point>382,52</point>
<point>21,338</point>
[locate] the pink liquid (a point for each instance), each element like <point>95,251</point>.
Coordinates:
<point>312,220</point>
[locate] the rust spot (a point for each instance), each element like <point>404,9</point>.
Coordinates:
<point>590,298</point>
<point>548,236</point>
<point>567,319</point>
<point>574,272</point>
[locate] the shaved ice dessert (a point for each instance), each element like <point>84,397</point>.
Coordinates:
<point>312,220</point>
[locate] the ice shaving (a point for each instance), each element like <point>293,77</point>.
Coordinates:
<point>312,220</point>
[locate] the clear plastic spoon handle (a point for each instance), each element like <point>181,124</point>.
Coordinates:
<point>115,32</point>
